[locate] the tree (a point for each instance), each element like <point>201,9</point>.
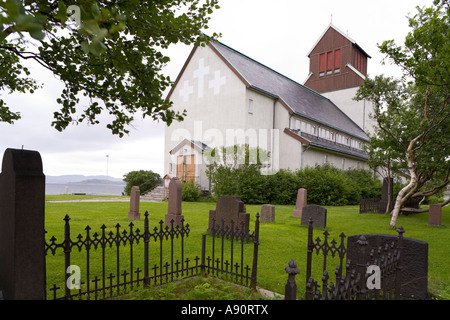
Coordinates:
<point>413,113</point>
<point>107,51</point>
<point>145,180</point>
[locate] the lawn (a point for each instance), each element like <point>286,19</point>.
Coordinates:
<point>281,241</point>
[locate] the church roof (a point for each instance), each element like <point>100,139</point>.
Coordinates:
<point>299,99</point>
<point>332,26</point>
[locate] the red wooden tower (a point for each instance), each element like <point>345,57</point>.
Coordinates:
<point>336,62</point>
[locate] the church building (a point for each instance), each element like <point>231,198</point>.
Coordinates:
<point>231,99</point>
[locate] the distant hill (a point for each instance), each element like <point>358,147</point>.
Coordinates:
<point>67,179</point>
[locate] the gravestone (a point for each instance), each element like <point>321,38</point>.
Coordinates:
<point>435,215</point>
<point>135,195</point>
<point>318,215</point>
<point>230,210</point>
<point>267,213</point>
<point>300,203</point>
<point>174,206</point>
<point>22,216</point>
<point>414,261</point>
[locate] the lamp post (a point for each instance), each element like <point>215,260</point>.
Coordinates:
<point>107,158</point>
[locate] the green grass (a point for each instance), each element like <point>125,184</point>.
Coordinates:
<point>281,241</point>
<point>195,288</point>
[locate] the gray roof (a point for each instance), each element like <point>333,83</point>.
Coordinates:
<point>317,142</point>
<point>300,99</point>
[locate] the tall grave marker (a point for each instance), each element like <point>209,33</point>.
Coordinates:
<point>135,195</point>
<point>174,207</point>
<point>22,209</point>
<point>300,203</point>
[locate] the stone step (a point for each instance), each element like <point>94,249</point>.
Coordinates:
<point>157,194</point>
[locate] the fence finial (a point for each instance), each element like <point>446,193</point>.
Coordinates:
<point>290,290</point>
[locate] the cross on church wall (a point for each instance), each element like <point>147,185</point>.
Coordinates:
<point>217,82</point>
<point>200,74</point>
<point>186,91</point>
<point>200,77</point>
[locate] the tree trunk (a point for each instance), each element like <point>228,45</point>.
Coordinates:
<point>400,197</point>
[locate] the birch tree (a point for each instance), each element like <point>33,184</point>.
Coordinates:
<point>413,113</point>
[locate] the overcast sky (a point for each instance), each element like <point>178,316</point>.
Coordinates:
<point>277,33</point>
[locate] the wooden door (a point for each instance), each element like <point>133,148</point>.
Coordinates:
<point>186,167</point>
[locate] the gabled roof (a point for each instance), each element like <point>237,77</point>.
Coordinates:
<point>198,145</point>
<point>344,35</point>
<point>297,98</point>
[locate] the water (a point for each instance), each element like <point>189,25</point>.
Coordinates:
<point>89,188</point>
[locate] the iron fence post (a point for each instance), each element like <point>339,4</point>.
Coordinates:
<point>290,290</point>
<point>309,250</point>
<point>202,266</point>
<point>398,275</point>
<point>255,253</point>
<point>146,257</point>
<point>67,250</point>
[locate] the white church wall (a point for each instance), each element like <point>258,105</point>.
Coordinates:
<point>313,157</point>
<point>358,111</point>
<point>214,99</point>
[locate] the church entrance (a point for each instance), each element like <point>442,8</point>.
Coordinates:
<point>186,167</point>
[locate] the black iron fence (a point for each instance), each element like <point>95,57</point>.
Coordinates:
<point>230,263</point>
<point>376,205</point>
<point>353,282</point>
<point>146,263</point>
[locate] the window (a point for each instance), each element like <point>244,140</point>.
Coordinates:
<point>337,61</point>
<point>297,124</point>
<point>359,61</point>
<point>337,58</point>
<point>329,60</point>
<point>322,65</point>
<point>250,106</point>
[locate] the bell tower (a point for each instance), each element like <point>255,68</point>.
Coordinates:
<point>336,62</point>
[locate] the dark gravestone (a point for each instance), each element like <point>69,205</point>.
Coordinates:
<point>229,209</point>
<point>22,208</point>
<point>317,213</point>
<point>414,261</point>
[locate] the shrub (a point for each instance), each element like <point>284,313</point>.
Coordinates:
<point>282,187</point>
<point>326,185</point>
<point>247,182</point>
<point>191,191</point>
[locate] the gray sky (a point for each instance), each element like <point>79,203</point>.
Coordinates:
<point>277,33</point>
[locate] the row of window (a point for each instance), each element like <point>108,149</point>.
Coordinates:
<point>330,62</point>
<point>320,132</point>
<point>327,134</point>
